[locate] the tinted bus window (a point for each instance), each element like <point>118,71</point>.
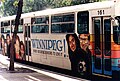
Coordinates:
<point>40,25</point>
<point>6,23</point>
<point>116,35</point>
<point>83,22</point>
<point>39,29</point>
<point>20,27</point>
<point>2,30</point>
<point>63,28</point>
<point>63,23</point>
<point>21,22</point>
<point>2,24</point>
<point>41,20</point>
<point>5,27</point>
<point>63,18</point>
<point>13,22</point>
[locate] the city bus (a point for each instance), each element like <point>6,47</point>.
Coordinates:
<point>84,39</point>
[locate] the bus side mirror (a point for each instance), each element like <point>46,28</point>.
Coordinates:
<point>115,23</point>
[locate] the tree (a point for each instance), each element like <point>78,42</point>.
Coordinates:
<point>12,48</point>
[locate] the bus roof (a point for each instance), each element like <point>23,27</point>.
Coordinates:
<point>82,7</point>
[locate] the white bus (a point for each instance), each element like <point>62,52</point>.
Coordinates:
<point>82,38</point>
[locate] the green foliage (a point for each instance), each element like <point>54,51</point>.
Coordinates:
<point>60,3</point>
<point>15,3</point>
<point>27,5</point>
<point>76,2</point>
<point>7,8</point>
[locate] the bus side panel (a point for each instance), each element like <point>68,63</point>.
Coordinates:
<point>50,50</point>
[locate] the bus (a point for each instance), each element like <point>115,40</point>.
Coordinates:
<point>84,39</point>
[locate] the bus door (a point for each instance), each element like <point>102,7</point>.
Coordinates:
<point>102,45</point>
<point>27,42</point>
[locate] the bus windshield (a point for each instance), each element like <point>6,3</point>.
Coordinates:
<point>116,32</point>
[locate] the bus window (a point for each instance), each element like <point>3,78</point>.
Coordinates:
<point>2,24</point>
<point>63,28</point>
<point>40,20</point>
<point>20,27</point>
<point>40,24</point>
<point>6,23</point>
<point>116,34</point>
<point>63,23</point>
<point>63,18</point>
<point>83,22</point>
<point>5,27</point>
<point>2,30</point>
<point>39,29</point>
